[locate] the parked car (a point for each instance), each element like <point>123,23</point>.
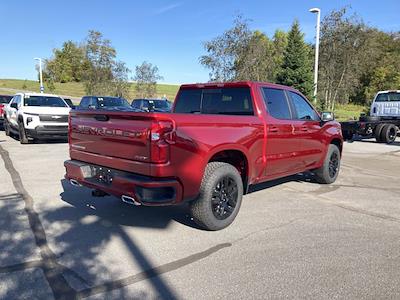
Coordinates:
<point>383,123</point>
<point>4,100</point>
<point>220,139</point>
<point>103,102</point>
<point>154,105</point>
<point>36,116</point>
<point>70,103</point>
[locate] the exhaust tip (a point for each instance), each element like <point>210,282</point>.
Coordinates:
<point>74,182</point>
<point>130,200</point>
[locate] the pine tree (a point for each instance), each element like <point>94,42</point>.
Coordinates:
<point>296,68</point>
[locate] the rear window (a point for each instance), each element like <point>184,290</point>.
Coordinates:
<point>223,101</point>
<point>391,96</point>
<point>44,101</point>
<point>5,99</point>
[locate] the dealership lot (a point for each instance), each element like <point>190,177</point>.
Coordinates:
<point>292,238</point>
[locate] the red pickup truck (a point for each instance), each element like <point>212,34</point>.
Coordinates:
<point>219,139</point>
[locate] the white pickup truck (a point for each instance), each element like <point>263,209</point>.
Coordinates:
<point>383,123</point>
<point>386,104</point>
<point>36,116</point>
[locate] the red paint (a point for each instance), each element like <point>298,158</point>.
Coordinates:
<point>183,144</point>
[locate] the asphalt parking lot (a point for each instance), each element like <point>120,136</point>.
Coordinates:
<point>292,238</point>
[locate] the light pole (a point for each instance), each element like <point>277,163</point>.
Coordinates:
<point>40,73</point>
<point>318,12</point>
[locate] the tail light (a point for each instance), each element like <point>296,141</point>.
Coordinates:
<point>1,109</point>
<point>162,134</point>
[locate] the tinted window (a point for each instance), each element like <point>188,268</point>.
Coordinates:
<point>162,104</point>
<point>112,102</point>
<point>85,101</point>
<point>391,96</point>
<point>304,111</point>
<point>189,101</point>
<point>276,103</point>
<point>224,101</point>
<point>136,103</point>
<point>5,99</point>
<point>44,101</point>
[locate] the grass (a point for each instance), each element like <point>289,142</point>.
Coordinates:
<point>348,111</point>
<point>76,89</point>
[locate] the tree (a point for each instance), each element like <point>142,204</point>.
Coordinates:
<point>225,50</point>
<point>66,63</point>
<point>342,56</point>
<point>296,67</point>
<point>103,74</point>
<point>146,77</point>
<point>256,61</point>
<point>120,80</point>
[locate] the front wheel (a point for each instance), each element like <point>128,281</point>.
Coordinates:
<point>6,127</point>
<point>330,169</point>
<point>220,197</point>
<point>23,139</point>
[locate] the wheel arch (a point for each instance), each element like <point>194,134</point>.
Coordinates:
<point>236,157</point>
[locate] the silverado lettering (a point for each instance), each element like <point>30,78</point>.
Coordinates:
<point>103,131</point>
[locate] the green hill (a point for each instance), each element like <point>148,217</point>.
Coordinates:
<point>74,89</point>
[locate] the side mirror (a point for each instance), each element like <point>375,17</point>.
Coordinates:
<point>327,116</point>
<point>14,105</point>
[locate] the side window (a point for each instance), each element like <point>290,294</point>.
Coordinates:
<point>303,109</point>
<point>277,104</point>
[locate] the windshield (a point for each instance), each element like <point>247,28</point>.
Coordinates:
<point>161,104</point>
<point>391,96</point>
<point>5,99</point>
<point>112,102</point>
<point>44,101</point>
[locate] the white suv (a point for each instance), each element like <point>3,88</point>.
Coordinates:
<point>386,104</point>
<point>36,116</point>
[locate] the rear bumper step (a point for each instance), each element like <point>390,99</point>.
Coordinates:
<point>143,189</point>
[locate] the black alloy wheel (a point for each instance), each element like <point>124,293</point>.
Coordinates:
<point>224,198</point>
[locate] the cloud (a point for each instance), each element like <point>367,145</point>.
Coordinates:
<point>167,8</point>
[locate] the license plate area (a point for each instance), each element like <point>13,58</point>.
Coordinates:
<point>102,175</point>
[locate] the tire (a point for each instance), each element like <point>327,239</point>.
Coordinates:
<point>6,127</point>
<point>347,135</point>
<point>23,139</point>
<point>378,132</point>
<point>389,133</point>
<point>330,169</point>
<point>221,182</point>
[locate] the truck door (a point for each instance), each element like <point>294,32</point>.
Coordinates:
<point>281,143</point>
<point>307,130</point>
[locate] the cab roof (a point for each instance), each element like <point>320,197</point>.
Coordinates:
<point>236,84</point>
<point>38,94</point>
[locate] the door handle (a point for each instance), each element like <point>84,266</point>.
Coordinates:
<point>273,129</point>
<point>304,128</point>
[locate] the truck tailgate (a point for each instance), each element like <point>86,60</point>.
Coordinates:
<point>111,134</point>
